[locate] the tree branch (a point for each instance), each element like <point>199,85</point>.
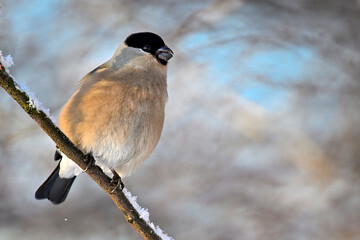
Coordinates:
<point>145,228</point>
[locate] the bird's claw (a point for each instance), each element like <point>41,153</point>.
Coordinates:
<point>90,161</point>
<point>116,180</point>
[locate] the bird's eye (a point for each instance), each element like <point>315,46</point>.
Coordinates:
<point>146,48</point>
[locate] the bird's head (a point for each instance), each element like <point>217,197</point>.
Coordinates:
<point>152,44</point>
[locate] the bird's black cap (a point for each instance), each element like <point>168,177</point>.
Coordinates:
<point>148,42</point>
<point>142,39</point>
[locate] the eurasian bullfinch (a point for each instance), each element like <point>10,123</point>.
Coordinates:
<point>116,114</point>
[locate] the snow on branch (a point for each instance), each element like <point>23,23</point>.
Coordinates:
<point>137,216</point>
<point>6,62</point>
<point>144,214</point>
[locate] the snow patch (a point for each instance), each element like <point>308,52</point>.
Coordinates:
<point>34,102</point>
<point>7,62</point>
<point>145,215</point>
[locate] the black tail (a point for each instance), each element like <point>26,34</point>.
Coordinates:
<point>55,188</point>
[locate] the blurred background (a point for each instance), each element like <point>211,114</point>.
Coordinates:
<point>262,132</point>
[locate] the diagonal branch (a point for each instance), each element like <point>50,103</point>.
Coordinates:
<point>145,228</point>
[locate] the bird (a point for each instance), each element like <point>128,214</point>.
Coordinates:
<point>116,115</point>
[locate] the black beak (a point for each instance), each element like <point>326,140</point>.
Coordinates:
<point>163,54</point>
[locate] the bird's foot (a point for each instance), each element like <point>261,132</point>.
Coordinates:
<point>116,181</point>
<point>89,159</point>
